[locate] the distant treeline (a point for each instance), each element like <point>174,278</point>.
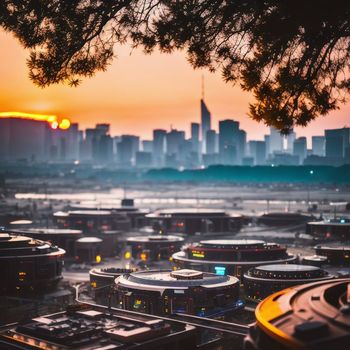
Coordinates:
<point>258,174</point>
<point>219,173</point>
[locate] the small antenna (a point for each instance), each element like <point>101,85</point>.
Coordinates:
<point>202,86</point>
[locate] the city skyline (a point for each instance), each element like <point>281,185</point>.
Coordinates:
<point>134,103</point>
<point>46,138</point>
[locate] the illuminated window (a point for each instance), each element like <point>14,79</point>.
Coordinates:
<point>22,275</point>
<point>198,254</point>
<point>220,270</point>
<point>143,256</point>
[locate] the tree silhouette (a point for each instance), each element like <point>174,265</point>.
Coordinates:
<point>292,54</point>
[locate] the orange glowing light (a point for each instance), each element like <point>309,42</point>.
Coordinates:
<point>53,120</point>
<point>64,124</point>
<point>143,256</point>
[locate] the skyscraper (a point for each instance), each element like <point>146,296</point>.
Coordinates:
<point>290,138</point>
<point>300,148</point>
<point>102,129</point>
<point>337,141</point>
<point>241,145</point>
<point>158,147</point>
<point>257,150</point>
<point>147,146</point>
<point>73,141</point>
<point>267,145</point>
<point>205,123</point>
<point>211,142</point>
<point>25,139</point>
<point>195,137</point>
<point>318,146</point>
<point>143,159</point>
<point>127,148</point>
<point>174,139</point>
<point>105,149</point>
<point>276,141</point>
<point>228,141</point>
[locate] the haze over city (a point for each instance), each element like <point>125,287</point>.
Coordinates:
<point>139,93</point>
<point>147,202</point>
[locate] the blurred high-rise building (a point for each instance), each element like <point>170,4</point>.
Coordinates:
<point>241,145</point>
<point>276,141</point>
<point>24,139</point>
<point>184,155</point>
<point>337,144</point>
<point>300,149</point>
<point>86,153</point>
<point>102,129</point>
<point>64,144</point>
<point>319,146</point>
<point>98,145</point>
<point>159,144</point>
<point>211,145</point>
<point>116,140</point>
<point>205,123</point>
<point>126,150</point>
<point>290,138</point>
<point>174,139</point>
<point>105,150</point>
<point>147,146</point>
<point>257,150</point>
<point>73,135</point>
<point>228,141</point>
<point>195,137</point>
<point>143,159</point>
<point>267,145</point>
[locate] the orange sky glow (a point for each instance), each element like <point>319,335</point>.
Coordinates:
<point>137,94</point>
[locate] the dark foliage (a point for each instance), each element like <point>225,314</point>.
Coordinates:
<point>292,54</point>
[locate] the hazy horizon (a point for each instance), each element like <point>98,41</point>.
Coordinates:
<point>138,93</point>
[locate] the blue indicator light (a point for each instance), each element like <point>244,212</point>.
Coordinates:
<point>342,221</point>
<point>220,270</point>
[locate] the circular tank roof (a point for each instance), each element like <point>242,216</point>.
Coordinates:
<point>186,274</point>
<point>333,247</point>
<point>287,268</point>
<point>154,238</point>
<point>193,213</point>
<point>190,211</point>
<point>21,222</point>
<point>54,231</point>
<point>167,279</point>
<point>89,240</point>
<point>17,246</point>
<point>330,223</point>
<point>315,258</point>
<point>231,242</point>
<point>82,213</point>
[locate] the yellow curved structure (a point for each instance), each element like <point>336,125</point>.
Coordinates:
<point>270,309</point>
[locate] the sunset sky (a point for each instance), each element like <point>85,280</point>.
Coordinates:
<point>137,94</point>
